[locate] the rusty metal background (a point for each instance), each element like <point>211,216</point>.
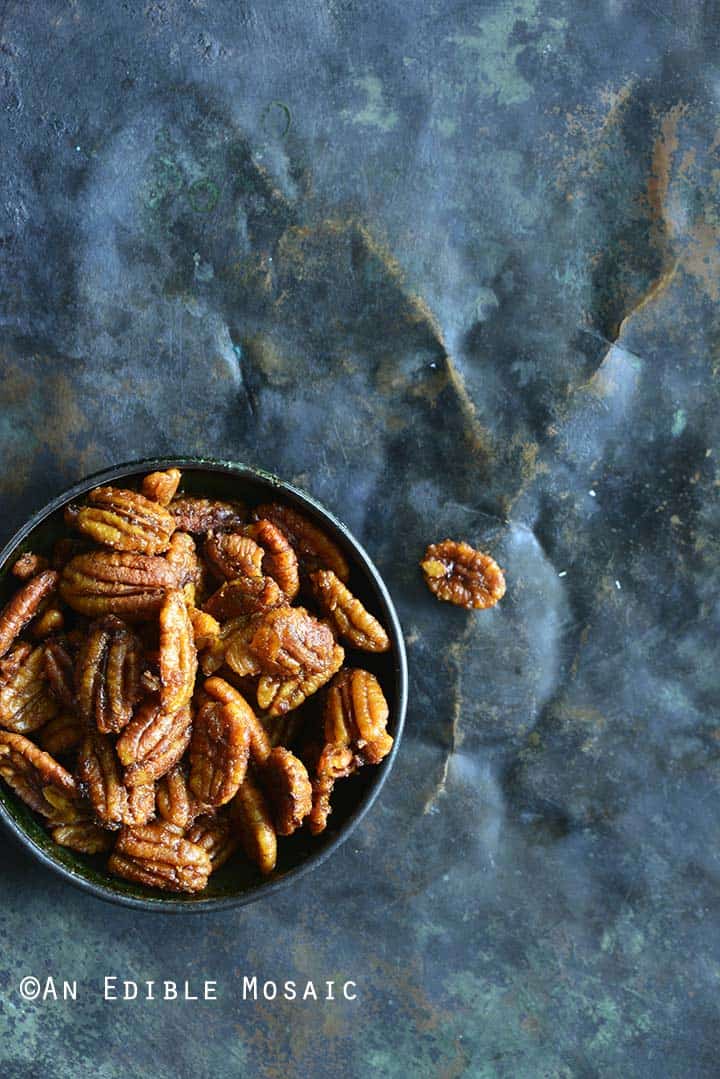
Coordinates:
<point>454,268</point>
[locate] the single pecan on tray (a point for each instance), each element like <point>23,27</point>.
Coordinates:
<point>458,573</point>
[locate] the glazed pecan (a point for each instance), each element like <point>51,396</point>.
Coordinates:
<point>24,605</point>
<point>277,695</point>
<point>182,556</point>
<point>219,749</point>
<point>98,772</point>
<point>459,574</point>
<point>216,835</point>
<point>347,613</point>
<point>107,675</point>
<point>29,565</point>
<point>206,629</point>
<point>356,715</point>
<point>335,762</point>
<point>313,548</point>
<point>251,819</point>
<point>124,520</point>
<point>220,690</point>
<point>83,835</point>
<point>140,807</point>
<point>279,561</point>
<point>290,642</point>
<point>237,653</point>
<point>199,515</point>
<point>26,702</point>
<point>289,791</point>
<point>37,778</point>
<point>178,655</point>
<point>129,585</point>
<point>51,620</point>
<point>159,856</point>
<point>62,734</point>
<point>161,486</point>
<point>245,596</point>
<point>175,802</point>
<point>232,554</point>
<point>153,742</point>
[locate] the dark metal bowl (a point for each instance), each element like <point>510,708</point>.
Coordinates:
<point>237,882</point>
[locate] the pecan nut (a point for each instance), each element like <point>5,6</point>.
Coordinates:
<point>153,742</point>
<point>314,549</point>
<point>252,821</point>
<point>161,486</point>
<point>37,778</point>
<point>107,675</point>
<point>60,672</point>
<point>182,556</point>
<point>216,835</point>
<point>290,642</point>
<point>347,613</point>
<point>129,585</point>
<point>124,520</point>
<point>289,791</point>
<point>200,515</point>
<point>26,702</point>
<point>277,695</point>
<point>457,573</point>
<point>24,605</point>
<point>159,856</point>
<point>175,802</point>
<point>29,565</point>
<point>98,772</point>
<point>232,554</point>
<point>219,750</point>
<point>178,655</point>
<point>245,596</point>
<point>279,561</point>
<point>335,762</point>
<point>356,715</point>
<point>220,690</point>
<point>84,836</point>
<point>49,621</point>
<point>62,734</point>
<point>237,652</point>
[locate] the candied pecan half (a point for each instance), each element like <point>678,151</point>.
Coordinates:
<point>178,655</point>
<point>52,620</point>
<point>182,556</point>
<point>237,654</point>
<point>279,561</point>
<point>313,548</point>
<point>198,515</point>
<point>280,695</point>
<point>159,856</point>
<point>335,762</point>
<point>216,835</point>
<point>219,750</point>
<point>232,554</point>
<point>60,672</point>
<point>124,520</point>
<point>288,787</point>
<point>37,778</point>
<point>153,742</point>
<point>356,715</point>
<point>107,675</point>
<point>290,641</point>
<point>84,836</point>
<point>252,821</point>
<point>140,806</point>
<point>175,802</point>
<point>245,596</point>
<point>454,571</point>
<point>130,585</point>
<point>24,605</point>
<point>29,565</point>
<point>351,619</point>
<point>26,702</point>
<point>62,734</point>
<point>220,690</point>
<point>98,772</point>
<point>206,629</point>
<point>161,486</point>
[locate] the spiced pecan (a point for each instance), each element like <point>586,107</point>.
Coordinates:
<point>83,835</point>
<point>334,762</point>
<point>26,702</point>
<point>140,807</point>
<point>129,585</point>
<point>175,802</point>
<point>153,742</point>
<point>206,629</point>
<point>178,655</point>
<point>290,642</point>
<point>29,565</point>
<point>62,734</point>
<point>356,715</point>
<point>350,618</point>
<point>216,835</point>
<point>98,772</point>
<point>182,556</point>
<point>237,653</point>
<point>221,690</point>
<point>456,572</point>
<point>159,856</point>
<point>124,520</point>
<point>219,749</point>
<point>288,788</point>
<point>245,596</point>
<point>37,778</point>
<point>313,548</point>
<point>251,819</point>
<point>24,605</point>
<point>107,674</point>
<point>232,554</point>
<point>199,515</point>
<point>279,559</point>
<point>277,695</point>
<point>161,486</point>
<point>51,620</point>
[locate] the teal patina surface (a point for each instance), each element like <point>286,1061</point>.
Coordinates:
<point>454,269</point>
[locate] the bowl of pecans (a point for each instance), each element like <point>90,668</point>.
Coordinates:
<point>202,684</point>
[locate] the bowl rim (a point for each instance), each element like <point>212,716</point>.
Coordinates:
<point>170,904</point>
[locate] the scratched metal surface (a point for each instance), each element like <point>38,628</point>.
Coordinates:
<point>454,268</point>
